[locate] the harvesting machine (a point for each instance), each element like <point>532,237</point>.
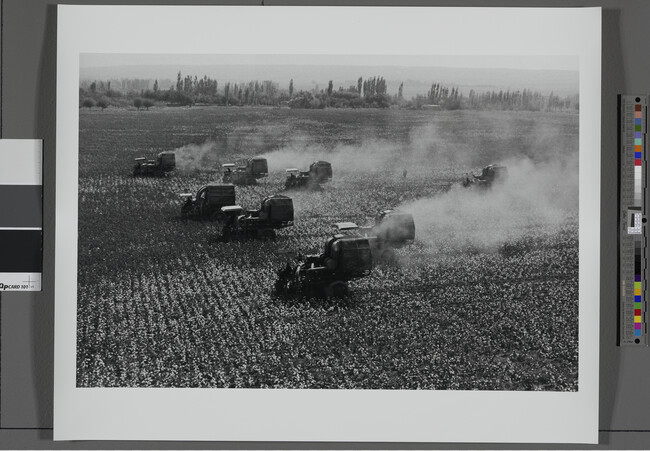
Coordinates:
<point>246,171</point>
<point>327,274</point>
<point>276,212</point>
<point>490,175</point>
<point>165,162</point>
<point>392,228</point>
<point>319,172</point>
<point>207,202</point>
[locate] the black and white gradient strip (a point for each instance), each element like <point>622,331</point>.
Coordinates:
<point>21,214</point>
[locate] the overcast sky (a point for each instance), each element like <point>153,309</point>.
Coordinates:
<point>458,61</point>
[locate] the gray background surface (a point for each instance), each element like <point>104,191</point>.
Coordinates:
<point>28,95</point>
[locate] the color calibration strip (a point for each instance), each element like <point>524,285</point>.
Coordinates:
<point>21,215</point>
<point>638,152</point>
<point>632,234</point>
<point>638,290</point>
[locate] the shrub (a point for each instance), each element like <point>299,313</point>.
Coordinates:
<point>88,103</point>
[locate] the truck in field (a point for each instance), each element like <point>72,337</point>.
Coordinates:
<point>163,163</point>
<point>491,175</point>
<point>392,229</point>
<point>327,274</point>
<point>319,172</point>
<point>208,201</point>
<point>276,212</point>
<point>246,171</point>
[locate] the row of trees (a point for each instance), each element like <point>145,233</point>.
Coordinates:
<point>521,100</point>
<point>371,92</point>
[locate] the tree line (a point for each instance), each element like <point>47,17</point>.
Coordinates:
<point>369,92</point>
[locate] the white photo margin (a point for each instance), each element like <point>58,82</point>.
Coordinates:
<point>325,415</point>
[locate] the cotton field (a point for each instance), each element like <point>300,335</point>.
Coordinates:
<point>485,298</point>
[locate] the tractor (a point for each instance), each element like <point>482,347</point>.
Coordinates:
<point>297,179</point>
<point>207,202</point>
<point>165,162</point>
<point>319,172</point>
<point>246,171</point>
<point>327,274</point>
<point>492,174</point>
<point>392,228</point>
<point>276,212</point>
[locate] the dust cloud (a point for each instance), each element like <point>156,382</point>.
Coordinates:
<point>300,152</point>
<point>194,157</point>
<point>541,154</point>
<point>423,147</point>
<point>536,196</point>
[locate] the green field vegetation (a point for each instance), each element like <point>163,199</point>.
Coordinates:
<point>485,298</point>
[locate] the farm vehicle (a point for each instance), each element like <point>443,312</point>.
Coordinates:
<point>207,202</point>
<point>246,171</point>
<point>165,162</point>
<point>392,228</point>
<point>319,172</point>
<point>327,274</point>
<point>276,212</point>
<point>490,175</point>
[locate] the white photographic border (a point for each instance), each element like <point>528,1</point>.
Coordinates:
<point>325,415</point>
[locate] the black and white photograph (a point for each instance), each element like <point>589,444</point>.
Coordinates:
<point>328,222</point>
<point>268,232</point>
